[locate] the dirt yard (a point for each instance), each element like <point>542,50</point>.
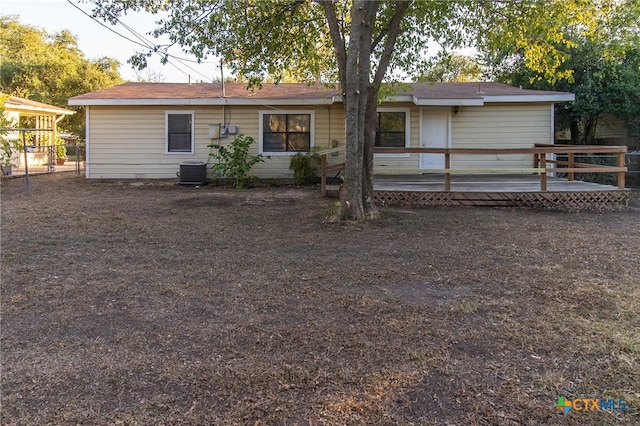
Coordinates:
<point>150,303</point>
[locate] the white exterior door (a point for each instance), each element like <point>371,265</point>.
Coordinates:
<point>434,133</point>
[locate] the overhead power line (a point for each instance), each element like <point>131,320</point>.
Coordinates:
<point>144,42</point>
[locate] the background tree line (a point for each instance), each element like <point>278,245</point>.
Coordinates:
<point>50,68</point>
<point>601,66</point>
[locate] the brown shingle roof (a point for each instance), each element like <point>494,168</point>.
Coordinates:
<point>470,90</point>
<point>211,93</point>
<point>208,91</point>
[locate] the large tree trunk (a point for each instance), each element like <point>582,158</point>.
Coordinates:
<point>351,206</point>
<point>371,116</point>
<point>575,132</point>
<point>589,134</point>
<point>356,88</point>
<point>360,97</point>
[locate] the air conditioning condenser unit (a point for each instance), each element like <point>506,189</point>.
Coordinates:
<point>193,173</point>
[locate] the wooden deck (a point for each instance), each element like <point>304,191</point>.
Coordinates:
<point>495,190</point>
<point>482,183</point>
<point>520,187</point>
<point>492,190</point>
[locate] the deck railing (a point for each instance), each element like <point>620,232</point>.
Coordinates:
<point>541,164</point>
<point>325,167</point>
<point>573,167</point>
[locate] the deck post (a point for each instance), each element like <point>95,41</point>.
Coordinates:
<point>323,174</point>
<point>447,172</point>
<point>621,183</point>
<point>543,175</point>
<point>571,165</point>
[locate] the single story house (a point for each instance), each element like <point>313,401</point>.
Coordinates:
<point>146,130</point>
<point>46,117</point>
<point>43,127</point>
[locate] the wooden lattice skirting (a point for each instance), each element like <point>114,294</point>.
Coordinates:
<point>564,200</point>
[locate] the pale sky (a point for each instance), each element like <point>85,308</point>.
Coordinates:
<point>96,41</point>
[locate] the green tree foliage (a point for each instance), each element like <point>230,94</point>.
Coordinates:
<point>354,44</point>
<point>7,146</point>
<point>452,67</point>
<point>601,67</point>
<point>50,68</point>
<point>234,162</point>
<point>602,84</point>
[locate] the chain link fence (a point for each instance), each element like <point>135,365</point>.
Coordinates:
<point>632,161</point>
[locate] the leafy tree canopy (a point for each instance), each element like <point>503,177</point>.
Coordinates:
<point>452,67</point>
<point>50,68</point>
<point>266,40</point>
<point>601,67</point>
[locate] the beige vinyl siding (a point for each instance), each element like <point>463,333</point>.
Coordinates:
<point>247,119</point>
<point>129,142</point>
<point>499,126</point>
<point>330,127</point>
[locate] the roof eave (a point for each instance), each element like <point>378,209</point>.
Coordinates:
<point>449,102</point>
<point>329,100</point>
<point>36,110</point>
<point>560,97</point>
<point>203,102</point>
<point>399,98</point>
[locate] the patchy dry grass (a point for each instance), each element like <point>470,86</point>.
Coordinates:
<point>150,303</point>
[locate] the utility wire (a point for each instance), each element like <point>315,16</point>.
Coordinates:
<point>154,48</point>
<point>144,42</point>
<point>106,26</point>
<point>149,45</point>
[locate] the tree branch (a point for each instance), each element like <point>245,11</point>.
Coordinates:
<point>377,40</point>
<point>392,35</point>
<point>336,38</point>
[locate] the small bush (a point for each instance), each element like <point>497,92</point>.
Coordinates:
<point>234,162</point>
<point>61,150</point>
<point>305,167</point>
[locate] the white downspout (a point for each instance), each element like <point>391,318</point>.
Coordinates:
<point>87,121</point>
<point>552,137</point>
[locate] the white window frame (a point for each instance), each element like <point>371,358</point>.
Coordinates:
<point>166,131</point>
<point>407,133</point>
<point>312,124</point>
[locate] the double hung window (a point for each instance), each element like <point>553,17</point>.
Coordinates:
<point>179,132</point>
